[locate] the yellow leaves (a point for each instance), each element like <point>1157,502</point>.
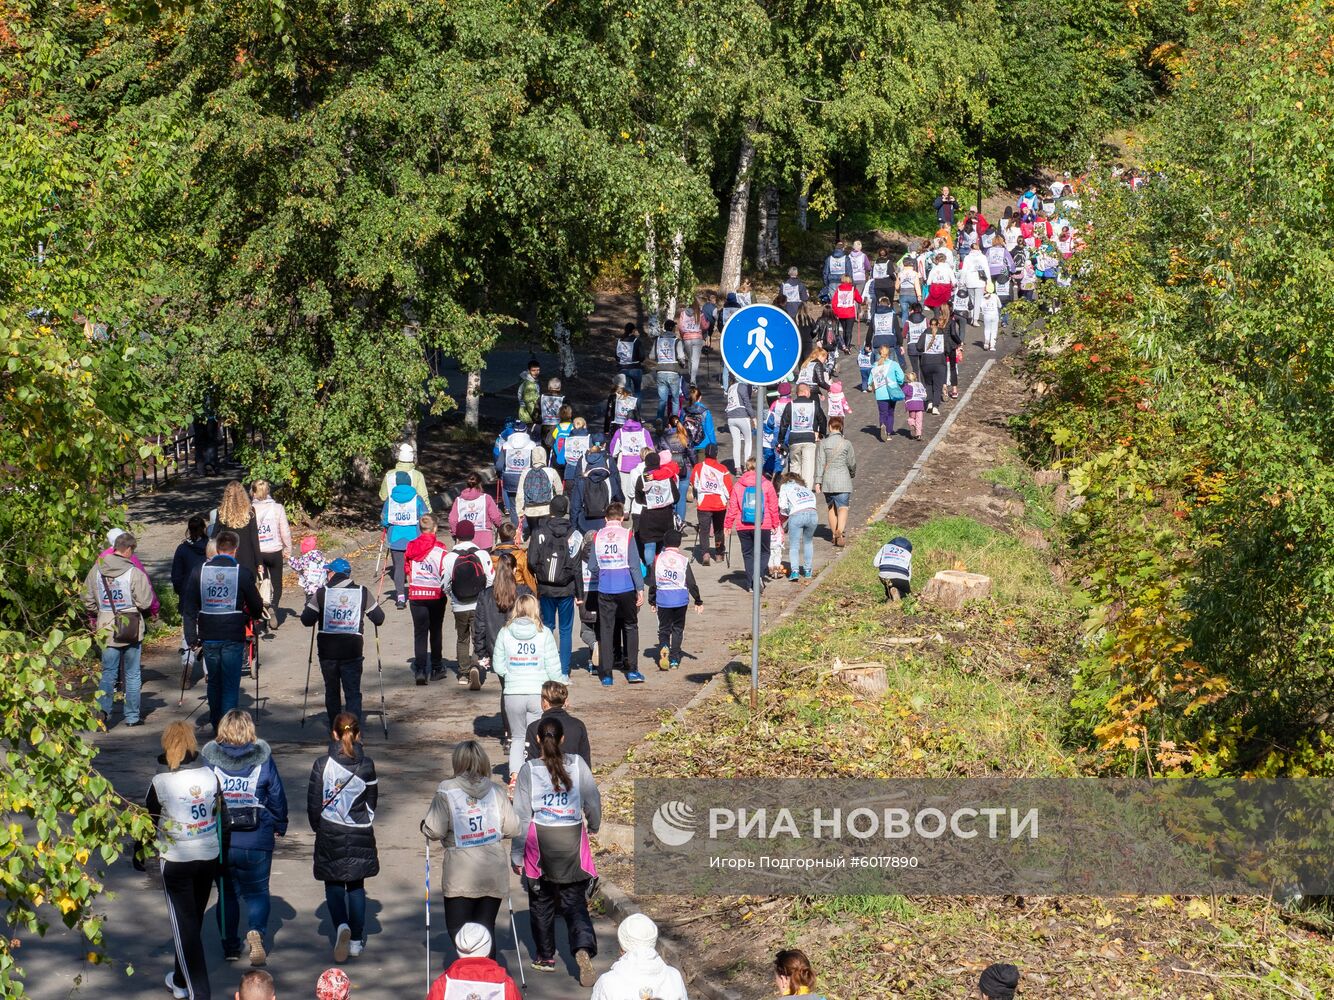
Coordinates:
<point>81,855</point>
<point>1198,909</point>
<point>1163,903</point>
<point>67,904</point>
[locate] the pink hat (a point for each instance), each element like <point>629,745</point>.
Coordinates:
<point>664,456</point>
<point>333,985</point>
<point>784,388</point>
<point>309,544</point>
<point>835,386</point>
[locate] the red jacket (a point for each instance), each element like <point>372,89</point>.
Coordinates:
<point>474,970</point>
<point>732,520</point>
<point>710,501</point>
<point>846,299</point>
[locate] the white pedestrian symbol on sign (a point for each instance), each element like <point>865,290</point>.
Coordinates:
<point>763,345</point>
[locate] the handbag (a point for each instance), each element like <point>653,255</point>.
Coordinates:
<point>125,625</point>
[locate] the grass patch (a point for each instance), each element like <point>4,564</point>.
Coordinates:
<point>1039,509</point>
<point>982,693</point>
<point>836,907</point>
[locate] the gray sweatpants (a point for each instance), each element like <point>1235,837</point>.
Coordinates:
<point>522,710</point>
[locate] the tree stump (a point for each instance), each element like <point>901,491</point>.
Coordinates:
<point>952,588</point>
<point>867,679</point>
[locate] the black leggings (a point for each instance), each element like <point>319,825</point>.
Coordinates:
<point>933,374</point>
<point>460,910</point>
<point>428,621</point>
<point>273,562</point>
<point>187,885</point>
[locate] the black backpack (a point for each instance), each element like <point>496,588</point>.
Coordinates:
<point>468,579</point>
<point>597,492</point>
<point>555,567</point>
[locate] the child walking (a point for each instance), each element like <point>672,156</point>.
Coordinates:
<point>915,394</point>
<point>865,362</point>
<point>838,405</point>
<point>671,589</point>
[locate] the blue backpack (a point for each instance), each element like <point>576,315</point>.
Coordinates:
<point>748,506</point>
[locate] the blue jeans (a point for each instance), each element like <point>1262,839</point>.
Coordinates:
<point>801,540</point>
<point>681,500</point>
<point>347,905</point>
<point>562,609</point>
<point>223,660</point>
<point>511,509</point>
<point>112,658</point>
<point>245,877</point>
<point>669,393</point>
<point>634,378</point>
<point>905,303</point>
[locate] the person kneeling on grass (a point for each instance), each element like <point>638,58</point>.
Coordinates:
<point>894,561</point>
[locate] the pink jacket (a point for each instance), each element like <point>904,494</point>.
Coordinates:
<point>485,534</point>
<point>732,519</point>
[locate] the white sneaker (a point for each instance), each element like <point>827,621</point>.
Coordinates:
<point>176,991</point>
<point>356,948</point>
<point>342,943</point>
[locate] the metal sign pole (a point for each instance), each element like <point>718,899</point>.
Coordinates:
<point>760,345</point>
<point>757,580</point>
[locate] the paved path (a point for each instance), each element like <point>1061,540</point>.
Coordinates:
<point>424,725</point>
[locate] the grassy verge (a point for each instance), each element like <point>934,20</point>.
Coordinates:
<point>978,691</point>
<point>983,693</point>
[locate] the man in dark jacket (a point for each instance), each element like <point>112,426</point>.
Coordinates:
<point>553,556</point>
<point>219,599</point>
<point>339,609</point>
<point>554,696</point>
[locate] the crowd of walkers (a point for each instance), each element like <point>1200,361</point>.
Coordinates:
<point>585,522</point>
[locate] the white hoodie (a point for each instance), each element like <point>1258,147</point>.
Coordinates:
<point>639,973</point>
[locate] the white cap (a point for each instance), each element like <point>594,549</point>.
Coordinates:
<point>407,453</point>
<point>113,534</point>
<point>637,931</point>
<point>473,941</point>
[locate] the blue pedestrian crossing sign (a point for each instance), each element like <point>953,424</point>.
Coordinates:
<point>761,344</point>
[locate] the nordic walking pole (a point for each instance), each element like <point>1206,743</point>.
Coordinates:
<point>257,708</point>
<point>379,669</point>
<point>428,914</point>
<point>187,671</point>
<point>380,568</point>
<point>518,951</point>
<point>310,657</point>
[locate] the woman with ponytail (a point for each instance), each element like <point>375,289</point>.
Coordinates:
<point>558,805</point>
<point>340,804</point>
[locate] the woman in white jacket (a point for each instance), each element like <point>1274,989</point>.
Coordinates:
<point>275,541</point>
<point>526,657</point>
<point>640,971</point>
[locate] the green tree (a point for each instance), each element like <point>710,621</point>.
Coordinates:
<point>79,347</point>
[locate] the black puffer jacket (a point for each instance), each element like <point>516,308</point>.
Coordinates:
<point>340,804</point>
<point>488,620</point>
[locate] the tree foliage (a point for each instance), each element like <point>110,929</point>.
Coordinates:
<point>1189,399</point>
<point>80,394</point>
